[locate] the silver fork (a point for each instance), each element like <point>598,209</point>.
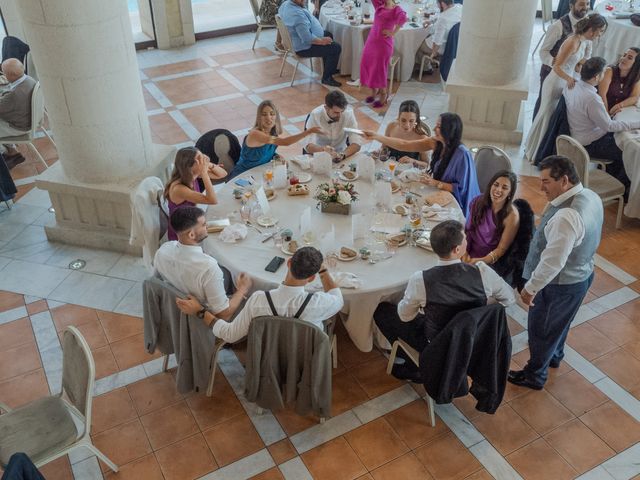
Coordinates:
<point>252,225</point>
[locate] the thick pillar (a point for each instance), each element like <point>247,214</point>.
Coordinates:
<point>174,23</point>
<point>88,70</point>
<point>489,78</point>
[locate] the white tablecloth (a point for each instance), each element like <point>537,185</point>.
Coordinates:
<point>629,143</point>
<point>381,281</point>
<point>621,34</point>
<point>406,43</point>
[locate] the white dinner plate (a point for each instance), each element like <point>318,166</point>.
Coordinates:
<point>285,249</point>
<point>344,258</point>
<point>266,221</point>
<point>304,177</point>
<point>357,131</point>
<point>342,177</point>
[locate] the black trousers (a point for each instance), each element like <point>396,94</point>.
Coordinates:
<point>413,332</point>
<point>330,55</point>
<point>605,147</point>
<point>545,70</point>
<point>21,468</point>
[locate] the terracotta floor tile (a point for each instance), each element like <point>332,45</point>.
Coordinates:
<point>514,327</point>
<point>37,307</point>
<point>117,326</point>
<point>173,68</point>
<point>93,334</point>
<point>123,444</point>
<point>169,425</point>
<point>604,283</point>
<point>210,411</point>
<point>376,443</point>
<point>589,342</point>
<point>105,363</point>
<point>480,475</point>
<point>153,393</point>
<point>72,315</point>
<point>413,425</point>
<point>617,327</point>
<point>9,300</point>
<point>505,429</point>
<point>348,353</point>
<point>19,360</point>
<point>447,458</point>
<point>282,451</point>
<point>112,409</point>
<point>621,366</point>
<point>467,404</point>
<point>538,461</point>
<point>630,310</point>
<point>366,476</point>
<point>186,460</point>
<point>575,393</point>
<point>346,393</point>
<point>145,468</point>
<point>130,352</point>
<point>373,377</point>
<point>59,469</point>
<point>633,348</point>
<point>541,411</point>
<point>579,446</point>
<point>16,333</point>
<point>613,425</point>
<point>271,474</point>
<point>24,389</point>
<point>334,460</point>
<point>232,440</point>
<point>293,423</point>
<point>407,467</point>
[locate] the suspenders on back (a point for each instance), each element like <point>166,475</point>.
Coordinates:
<point>297,314</point>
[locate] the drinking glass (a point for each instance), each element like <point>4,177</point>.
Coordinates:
<point>268,176</point>
<point>245,212</point>
<point>392,165</point>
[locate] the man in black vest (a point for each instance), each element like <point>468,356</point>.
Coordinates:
<point>434,296</point>
<point>556,34</point>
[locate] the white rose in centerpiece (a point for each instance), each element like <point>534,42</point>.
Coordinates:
<point>344,197</point>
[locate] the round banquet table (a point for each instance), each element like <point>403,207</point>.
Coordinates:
<point>382,281</point>
<point>620,34</point>
<point>351,38</point>
<point>629,143</point>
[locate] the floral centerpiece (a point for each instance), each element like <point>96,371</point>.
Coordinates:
<point>336,197</point>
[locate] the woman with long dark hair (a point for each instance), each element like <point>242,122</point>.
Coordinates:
<point>620,86</point>
<point>407,127</point>
<point>183,188</point>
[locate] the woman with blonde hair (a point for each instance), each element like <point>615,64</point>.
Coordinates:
<point>260,144</point>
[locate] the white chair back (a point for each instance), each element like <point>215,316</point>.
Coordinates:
<point>78,374</point>
<point>571,148</point>
<point>255,6</point>
<point>284,33</point>
<point>37,108</point>
<point>547,11</point>
<point>490,160</point>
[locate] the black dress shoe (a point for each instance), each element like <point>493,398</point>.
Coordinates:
<point>524,382</point>
<point>13,160</point>
<point>331,82</point>
<point>516,374</point>
<point>407,371</point>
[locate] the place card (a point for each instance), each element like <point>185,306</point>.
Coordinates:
<point>328,241</point>
<point>321,163</point>
<point>261,197</point>
<point>305,221</point>
<point>359,226</point>
<point>280,176</point>
<point>382,194</point>
<point>387,223</point>
<point>366,168</point>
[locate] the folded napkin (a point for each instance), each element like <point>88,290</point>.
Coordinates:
<point>410,175</point>
<point>437,213</point>
<point>303,161</point>
<point>233,233</point>
<point>342,279</point>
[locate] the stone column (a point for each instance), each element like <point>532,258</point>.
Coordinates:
<point>88,70</point>
<point>489,78</point>
<point>174,23</point>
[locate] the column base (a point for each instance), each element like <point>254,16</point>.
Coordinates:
<point>489,113</point>
<point>97,216</point>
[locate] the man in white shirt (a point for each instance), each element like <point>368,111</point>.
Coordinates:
<point>435,43</point>
<point>185,266</point>
<point>434,296</point>
<point>556,34</point>
<point>589,121</point>
<point>287,299</point>
<point>559,267</point>
<point>332,118</point>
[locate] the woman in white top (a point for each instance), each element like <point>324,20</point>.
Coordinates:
<point>572,54</point>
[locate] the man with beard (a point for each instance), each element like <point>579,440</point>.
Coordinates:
<point>556,34</point>
<point>184,265</point>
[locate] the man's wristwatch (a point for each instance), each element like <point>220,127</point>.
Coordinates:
<point>201,313</point>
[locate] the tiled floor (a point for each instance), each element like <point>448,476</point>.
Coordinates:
<point>585,421</point>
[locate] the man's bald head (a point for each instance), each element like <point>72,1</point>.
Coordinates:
<point>12,69</point>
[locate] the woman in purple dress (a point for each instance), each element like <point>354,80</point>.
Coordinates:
<point>183,188</point>
<point>620,85</point>
<point>378,49</point>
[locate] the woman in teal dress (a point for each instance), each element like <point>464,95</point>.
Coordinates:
<point>260,144</point>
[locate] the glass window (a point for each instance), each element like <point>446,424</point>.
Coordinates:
<point>211,15</point>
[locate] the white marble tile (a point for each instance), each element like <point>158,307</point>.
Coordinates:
<point>119,379</point>
<point>19,213</point>
<point>192,132</point>
<point>157,94</point>
<point>30,299</point>
<point>208,101</point>
<point>3,260</point>
<point>255,99</point>
<point>38,252</point>
<point>227,75</point>
<point>242,469</point>
<point>459,425</point>
<point>98,261</point>
<point>598,473</point>
<point>79,454</point>
<point>153,367</point>
<point>582,365</point>
<point>295,469</point>
<point>10,230</point>
<point>323,432</point>
<point>131,303</point>
<point>53,304</point>
<point>624,465</point>
<point>520,315</point>
<point>493,462</point>
<point>31,279</point>
<point>619,395</point>
<point>174,76</point>
<point>252,62</point>
<point>47,219</point>
<point>519,342</point>
<point>36,198</point>
<point>52,363</point>
<point>88,469</point>
<point>13,314</point>
<point>90,290</point>
<point>615,299</point>
<point>30,235</point>
<point>45,331</point>
<point>385,403</point>
<point>613,270</point>
<point>585,313</point>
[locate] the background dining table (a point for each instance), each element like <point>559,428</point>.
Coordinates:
<point>380,281</point>
<point>629,143</point>
<point>620,35</point>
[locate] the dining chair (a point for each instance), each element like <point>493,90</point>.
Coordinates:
<point>288,49</point>
<point>45,429</point>
<point>606,186</point>
<point>255,6</point>
<point>489,160</point>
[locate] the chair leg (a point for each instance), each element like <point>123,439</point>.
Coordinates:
<point>102,457</point>
<point>393,71</point>
<point>424,57</point>
<point>213,371</point>
<point>392,357</point>
<point>6,202</point>
<point>253,47</point>
<point>311,63</point>
<point>48,136</point>
<point>619,215</point>
<point>284,59</point>
<point>35,150</point>
<point>432,414</point>
<point>295,69</point>
<point>165,363</point>
<point>334,351</point>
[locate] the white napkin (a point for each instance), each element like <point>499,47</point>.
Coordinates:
<point>342,279</point>
<point>233,233</point>
<point>303,161</point>
<point>261,196</point>
<point>410,175</point>
<point>437,213</point>
<point>321,163</point>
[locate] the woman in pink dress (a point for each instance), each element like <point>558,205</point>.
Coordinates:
<point>378,49</point>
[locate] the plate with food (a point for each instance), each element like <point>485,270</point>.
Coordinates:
<point>441,198</point>
<point>270,193</point>
<point>347,254</point>
<point>304,177</point>
<point>398,239</point>
<point>217,225</point>
<point>289,248</point>
<point>266,221</point>
<point>401,209</point>
<point>298,189</point>
<point>348,176</point>
<point>395,187</point>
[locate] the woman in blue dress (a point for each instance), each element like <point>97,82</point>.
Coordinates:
<point>260,144</point>
<point>452,168</point>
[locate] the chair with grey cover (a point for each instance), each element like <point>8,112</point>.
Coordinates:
<point>45,428</point>
<point>288,49</point>
<point>261,24</point>
<point>606,186</point>
<point>490,160</point>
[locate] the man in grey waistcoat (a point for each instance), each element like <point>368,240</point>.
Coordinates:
<point>559,267</point>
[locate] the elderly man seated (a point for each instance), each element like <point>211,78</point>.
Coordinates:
<point>589,121</point>
<point>289,299</point>
<point>332,118</point>
<point>434,44</point>
<point>434,296</point>
<point>184,265</point>
<point>15,107</point>
<point>309,39</point>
